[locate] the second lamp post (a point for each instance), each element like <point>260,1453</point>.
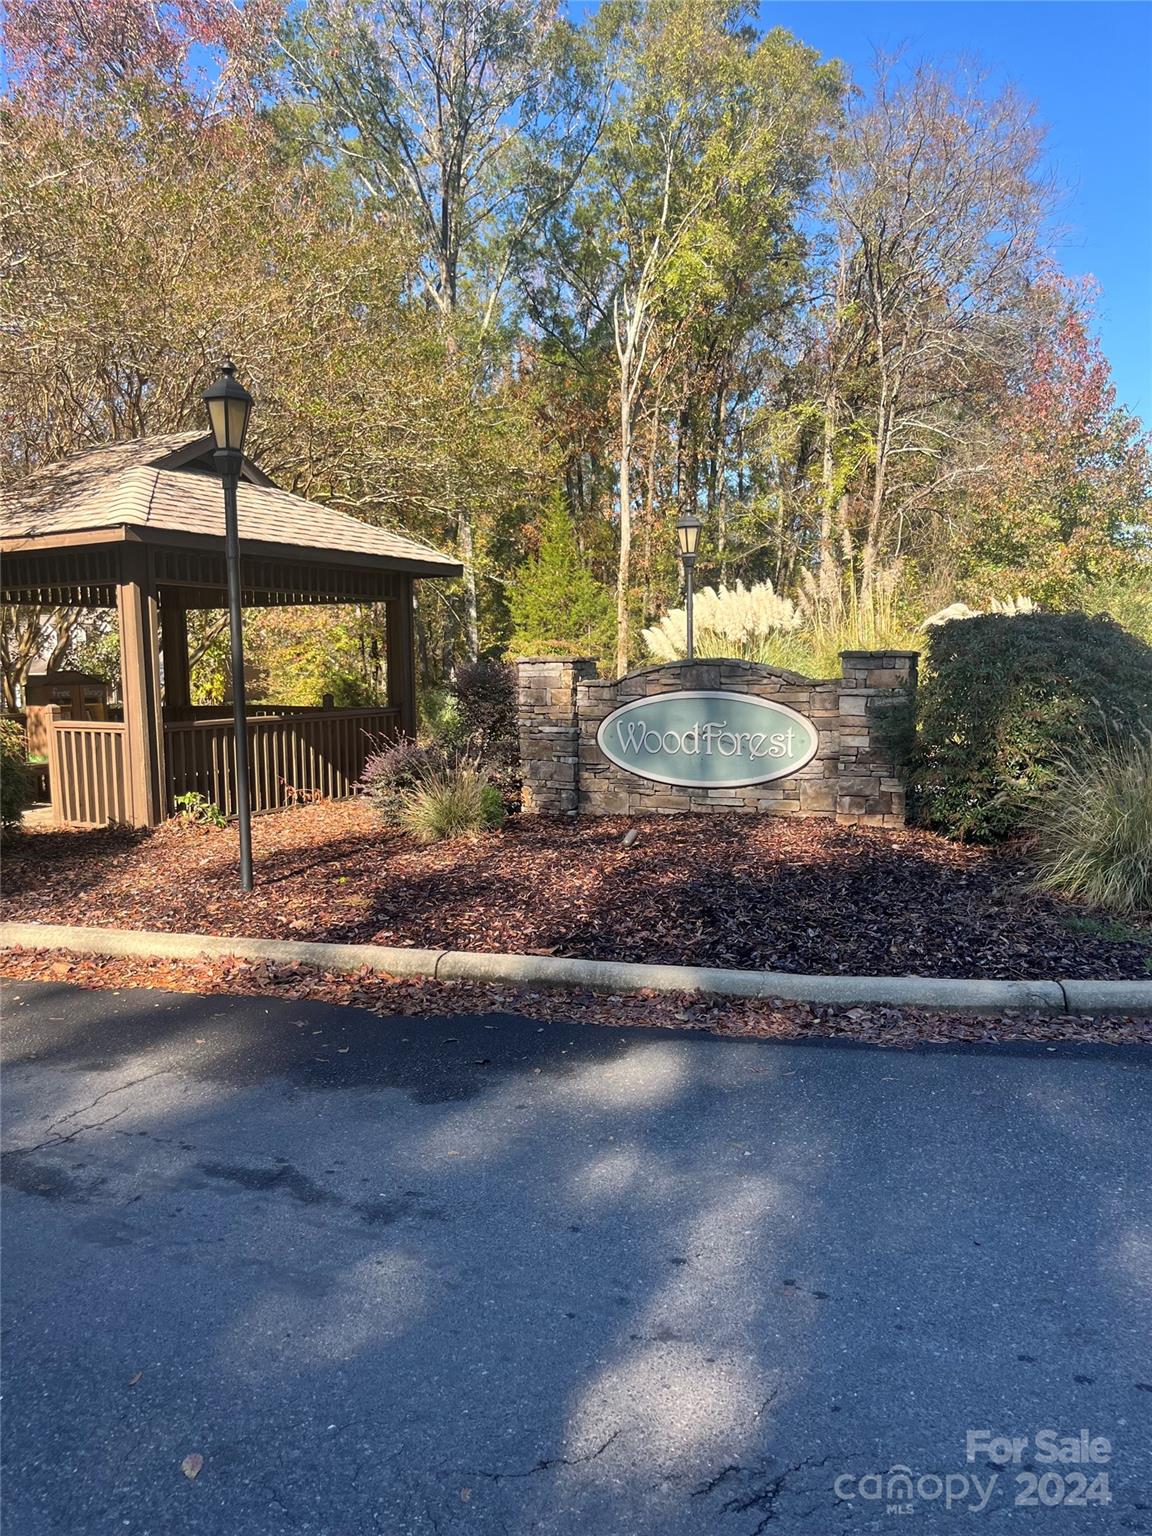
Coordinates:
<point>229,406</point>
<point>688,534</point>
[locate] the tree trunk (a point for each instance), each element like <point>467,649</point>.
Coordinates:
<point>828,579</point>
<point>624,566</point>
<point>465,523</point>
<point>21,636</point>
<point>870,555</point>
<point>650,495</point>
<point>466,538</point>
<point>65,627</point>
<point>828,576</point>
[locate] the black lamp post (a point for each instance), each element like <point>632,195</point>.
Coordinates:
<point>688,533</point>
<point>229,406</point>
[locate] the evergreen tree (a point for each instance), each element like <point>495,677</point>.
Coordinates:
<point>558,607</point>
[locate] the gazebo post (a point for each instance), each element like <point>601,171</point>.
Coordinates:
<point>174,647</point>
<point>401,656</point>
<point>137,612</point>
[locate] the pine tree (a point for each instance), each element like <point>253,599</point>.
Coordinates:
<point>558,607</point>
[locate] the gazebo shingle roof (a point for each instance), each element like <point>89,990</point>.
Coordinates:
<point>162,483</point>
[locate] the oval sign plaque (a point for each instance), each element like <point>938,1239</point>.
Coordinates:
<point>708,739</point>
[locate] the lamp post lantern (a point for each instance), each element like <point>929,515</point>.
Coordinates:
<point>229,407</point>
<point>688,534</point>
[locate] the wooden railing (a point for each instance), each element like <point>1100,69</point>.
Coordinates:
<point>315,754</point>
<point>188,713</point>
<point>86,770</point>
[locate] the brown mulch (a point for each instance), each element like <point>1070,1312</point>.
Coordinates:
<point>737,1017</point>
<point>752,892</point>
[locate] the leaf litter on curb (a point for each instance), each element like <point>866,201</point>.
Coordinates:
<point>761,893</point>
<point>744,1018</point>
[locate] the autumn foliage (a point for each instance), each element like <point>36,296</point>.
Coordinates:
<point>528,287</point>
<point>63,52</point>
<point>1065,500</point>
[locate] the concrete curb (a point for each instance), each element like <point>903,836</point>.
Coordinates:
<point>1053,997</point>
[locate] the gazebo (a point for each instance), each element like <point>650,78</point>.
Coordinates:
<point>139,526</point>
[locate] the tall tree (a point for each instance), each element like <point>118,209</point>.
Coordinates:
<point>1067,504</point>
<point>937,203</point>
<point>691,199</point>
<point>127,275</point>
<point>201,54</point>
<point>557,605</point>
<point>27,634</point>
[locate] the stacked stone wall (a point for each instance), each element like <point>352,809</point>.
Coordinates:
<point>549,733</point>
<point>851,777</point>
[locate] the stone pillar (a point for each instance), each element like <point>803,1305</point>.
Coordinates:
<point>869,790</point>
<point>549,745</point>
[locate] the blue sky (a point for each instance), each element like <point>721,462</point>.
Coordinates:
<point>1088,66</point>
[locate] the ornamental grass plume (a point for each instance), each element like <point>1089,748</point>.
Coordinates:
<point>1010,607</point>
<point>847,615</point>
<point>729,621</point>
<point>1093,829</point>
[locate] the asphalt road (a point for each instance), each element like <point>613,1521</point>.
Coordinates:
<point>428,1277</point>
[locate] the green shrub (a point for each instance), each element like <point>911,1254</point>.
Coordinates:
<point>492,803</point>
<point>439,715</point>
<point>485,694</point>
<point>449,802</point>
<point>17,781</point>
<point>1004,702</point>
<point>396,768</point>
<point>348,689</point>
<point>1094,830</point>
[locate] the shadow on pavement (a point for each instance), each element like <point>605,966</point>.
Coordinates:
<point>488,1275</point>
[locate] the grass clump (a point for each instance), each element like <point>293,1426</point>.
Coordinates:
<point>1094,830</point>
<point>453,800</point>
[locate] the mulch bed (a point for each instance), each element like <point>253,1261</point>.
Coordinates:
<point>739,1017</point>
<point>752,892</point>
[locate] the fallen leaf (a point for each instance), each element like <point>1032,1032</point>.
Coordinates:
<point>747,892</point>
<point>191,1465</point>
<point>132,1380</point>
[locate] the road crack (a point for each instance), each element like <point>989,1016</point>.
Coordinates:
<point>555,1461</point>
<point>761,1497</point>
<point>51,1140</point>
